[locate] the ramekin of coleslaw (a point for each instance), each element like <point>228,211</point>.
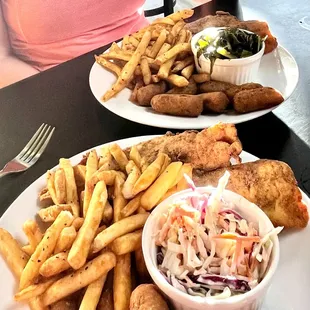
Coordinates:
<point>209,248</point>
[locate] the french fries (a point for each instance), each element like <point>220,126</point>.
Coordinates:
<point>133,175</point>
<point>127,243</point>
<point>93,270</point>
<point>50,178</point>
<point>119,156</point>
<point>50,213</point>
<point>131,206</point>
<point>91,168</point>
<point>92,294</point>
<point>118,229</point>
<point>119,201</point>
<point>122,282</point>
<point>155,192</point>
<point>33,233</point>
<point>44,249</point>
<point>60,186</point>
<point>65,240</point>
<point>188,71</point>
<point>174,51</point>
<point>146,72</point>
<point>12,253</point>
<point>109,65</point>
<point>55,265</point>
<point>81,245</point>
<point>71,190</point>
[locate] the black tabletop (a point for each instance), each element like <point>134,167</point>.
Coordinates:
<point>61,97</point>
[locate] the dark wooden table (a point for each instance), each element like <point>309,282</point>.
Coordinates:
<point>62,97</point>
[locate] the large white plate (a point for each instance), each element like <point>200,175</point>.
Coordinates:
<point>277,69</point>
<point>288,291</point>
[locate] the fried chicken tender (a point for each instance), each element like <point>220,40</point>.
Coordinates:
<point>147,297</point>
<point>270,184</point>
<point>209,149</point>
<point>224,19</point>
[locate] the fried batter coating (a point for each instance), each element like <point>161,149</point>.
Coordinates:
<point>147,297</point>
<point>256,99</point>
<point>146,93</point>
<point>215,102</point>
<point>178,104</point>
<point>215,86</point>
<point>231,92</point>
<point>209,149</point>
<point>270,184</point>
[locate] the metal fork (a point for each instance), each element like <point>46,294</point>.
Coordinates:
<point>31,152</point>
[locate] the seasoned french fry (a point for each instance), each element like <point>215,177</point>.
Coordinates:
<point>181,64</point>
<point>170,192</point>
<point>60,186</point>
<point>158,43</point>
<point>165,68</point>
<point>177,27</point>
<point>92,294</point>
<point>182,183</point>
<point>165,20</point>
<point>100,229</point>
<point>81,245</point>
<point>44,249</point>
<point>72,196</point>
<point>12,254</point>
<point>34,290</point>
<point>107,216</point>
<point>36,304</point>
<point>133,41</point>
<point>108,176</point>
<point>167,161</point>
<point>106,161</point>
<point>182,36</point>
<point>33,233</point>
<point>183,14</point>
<point>28,249</point>
<point>165,48</point>
<point>122,282</point>
<point>135,156</point>
<point>109,65</point>
<point>127,243</point>
<point>125,41</point>
<point>119,202</point>
<point>201,77</point>
<point>114,47</point>
<point>146,72</point>
<point>141,267</point>
<point>91,168</point>
<point>79,175</point>
<point>77,223</point>
<point>73,282</point>
<point>158,189</point>
<point>65,240</point>
<point>118,229</point>
<point>50,214</point>
<point>45,197</point>
<point>177,80</point>
<point>119,156</point>
<point>129,68</point>
<point>55,265</point>
<point>149,175</point>
<point>174,51</point>
<point>131,206</point>
<point>188,71</point>
<point>133,175</point>
<point>140,210</point>
<point>50,179</point>
<point>188,36</point>
<point>123,55</point>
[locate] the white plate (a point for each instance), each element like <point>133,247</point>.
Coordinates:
<point>289,289</point>
<point>277,69</point>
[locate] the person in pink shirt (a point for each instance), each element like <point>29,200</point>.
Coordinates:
<point>36,35</point>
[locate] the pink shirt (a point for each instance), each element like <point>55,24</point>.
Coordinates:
<point>45,33</point>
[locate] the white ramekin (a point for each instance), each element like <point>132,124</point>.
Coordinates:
<point>251,300</point>
<point>236,71</point>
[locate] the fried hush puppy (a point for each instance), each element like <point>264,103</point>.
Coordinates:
<point>215,86</point>
<point>178,104</point>
<point>146,93</point>
<point>231,92</point>
<point>146,297</point>
<point>256,99</point>
<point>215,102</point>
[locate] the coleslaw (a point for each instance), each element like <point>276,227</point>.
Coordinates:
<point>206,248</point>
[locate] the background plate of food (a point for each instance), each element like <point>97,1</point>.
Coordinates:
<point>67,263</point>
<point>153,76</point>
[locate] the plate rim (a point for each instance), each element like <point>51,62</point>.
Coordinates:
<point>182,121</point>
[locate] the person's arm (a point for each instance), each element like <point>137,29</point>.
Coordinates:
<point>12,69</point>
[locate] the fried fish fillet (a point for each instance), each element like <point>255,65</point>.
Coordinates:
<point>209,149</point>
<point>224,19</point>
<point>270,184</point>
